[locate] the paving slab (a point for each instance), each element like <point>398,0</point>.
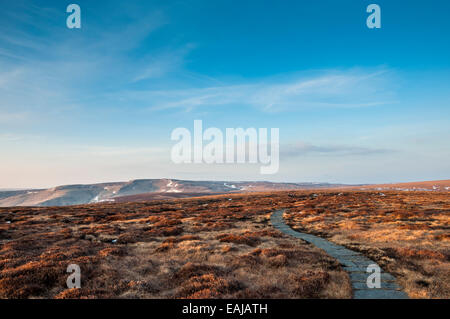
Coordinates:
<point>379,294</point>
<point>362,276</point>
<point>384,285</point>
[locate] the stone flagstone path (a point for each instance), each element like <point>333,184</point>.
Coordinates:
<point>353,262</point>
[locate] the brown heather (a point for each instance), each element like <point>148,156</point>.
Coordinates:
<point>214,247</point>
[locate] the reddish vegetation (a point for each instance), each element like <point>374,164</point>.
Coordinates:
<point>207,247</point>
<point>145,197</point>
<point>245,238</point>
<point>214,247</point>
<point>405,232</point>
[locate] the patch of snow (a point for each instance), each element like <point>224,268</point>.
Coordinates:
<point>172,188</point>
<point>108,200</point>
<point>173,191</point>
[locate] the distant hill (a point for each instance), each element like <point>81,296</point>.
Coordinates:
<point>151,189</point>
<point>142,189</point>
<point>442,185</point>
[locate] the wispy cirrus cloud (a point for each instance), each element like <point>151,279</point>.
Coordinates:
<point>93,69</point>
<point>325,89</point>
<point>302,148</point>
<point>51,69</point>
<point>159,65</point>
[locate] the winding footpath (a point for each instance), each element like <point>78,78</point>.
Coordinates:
<point>353,262</point>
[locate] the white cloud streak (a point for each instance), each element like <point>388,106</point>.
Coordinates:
<point>329,89</point>
<point>302,149</point>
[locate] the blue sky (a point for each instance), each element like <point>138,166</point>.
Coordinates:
<point>353,104</point>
